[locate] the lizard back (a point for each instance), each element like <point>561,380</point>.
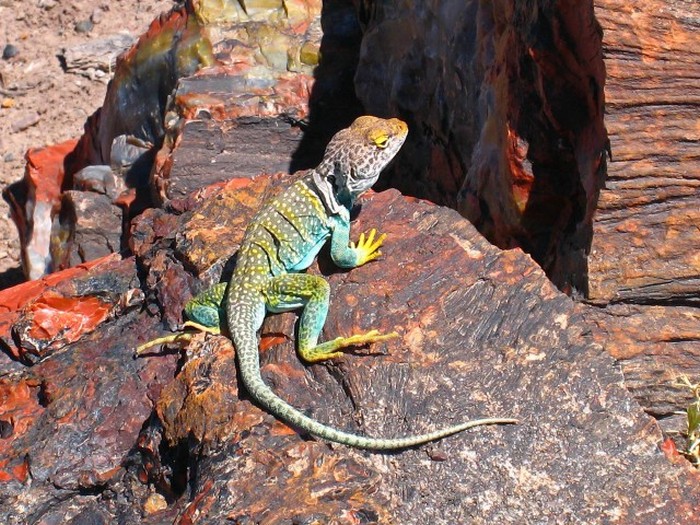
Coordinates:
<point>285,235</point>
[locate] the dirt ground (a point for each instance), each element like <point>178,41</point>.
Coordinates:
<point>40,103</point>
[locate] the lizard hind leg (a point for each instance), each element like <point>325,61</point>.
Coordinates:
<point>204,311</point>
<point>312,292</point>
<point>204,315</point>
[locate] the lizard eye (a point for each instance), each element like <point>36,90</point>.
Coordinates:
<point>381,141</point>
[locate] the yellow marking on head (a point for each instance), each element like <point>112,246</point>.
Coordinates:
<point>379,137</point>
<point>373,127</point>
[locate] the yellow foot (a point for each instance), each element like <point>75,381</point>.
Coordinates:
<point>202,328</point>
<point>373,336</point>
<point>368,248</point>
<point>332,349</point>
<point>180,338</point>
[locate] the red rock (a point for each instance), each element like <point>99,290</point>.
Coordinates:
<point>51,317</point>
<point>34,201</point>
<point>13,300</point>
<point>54,315</point>
<point>19,406</point>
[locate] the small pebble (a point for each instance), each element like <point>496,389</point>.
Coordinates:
<point>84,26</point>
<point>24,122</point>
<point>9,157</point>
<point>10,51</point>
<point>155,503</point>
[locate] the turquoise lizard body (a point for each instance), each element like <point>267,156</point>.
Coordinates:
<point>282,240</point>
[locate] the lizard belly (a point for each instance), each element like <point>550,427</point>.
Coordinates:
<point>311,252</point>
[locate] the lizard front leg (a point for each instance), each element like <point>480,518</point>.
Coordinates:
<point>312,293</point>
<point>348,254</point>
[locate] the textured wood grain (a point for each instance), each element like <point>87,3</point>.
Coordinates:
<point>96,58</point>
<point>214,152</point>
<point>654,345</point>
<point>646,241</point>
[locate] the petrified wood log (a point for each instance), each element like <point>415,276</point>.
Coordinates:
<point>645,242</point>
<point>513,116</point>
<point>482,331</point>
<point>214,152</point>
<point>505,100</point>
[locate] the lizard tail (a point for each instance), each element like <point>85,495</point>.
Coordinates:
<point>249,363</point>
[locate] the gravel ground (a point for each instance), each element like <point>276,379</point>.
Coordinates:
<point>41,103</point>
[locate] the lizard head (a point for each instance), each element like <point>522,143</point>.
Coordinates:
<point>356,155</point>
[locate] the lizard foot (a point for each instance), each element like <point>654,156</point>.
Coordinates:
<point>333,349</point>
<point>368,248</point>
<point>180,338</point>
<point>373,336</point>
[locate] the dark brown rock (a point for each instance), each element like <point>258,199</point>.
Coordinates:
<point>210,152</point>
<point>656,346</point>
<point>644,250</point>
<point>468,314</point>
<point>514,139</point>
<point>76,417</point>
<point>90,224</point>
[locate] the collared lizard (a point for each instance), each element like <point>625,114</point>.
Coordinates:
<point>282,240</point>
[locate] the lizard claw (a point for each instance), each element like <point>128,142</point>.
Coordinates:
<point>368,247</point>
<point>373,336</point>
